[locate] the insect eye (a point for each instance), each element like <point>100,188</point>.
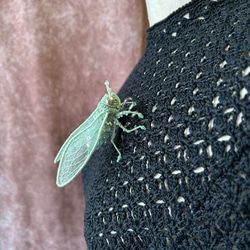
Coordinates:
<point>110,101</point>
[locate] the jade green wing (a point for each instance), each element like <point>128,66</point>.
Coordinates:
<point>78,148</point>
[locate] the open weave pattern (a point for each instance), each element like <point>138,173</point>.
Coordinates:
<point>184,183</point>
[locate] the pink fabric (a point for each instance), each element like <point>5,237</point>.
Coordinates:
<point>54,59</point>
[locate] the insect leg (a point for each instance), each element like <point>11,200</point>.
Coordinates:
<point>118,151</point>
<point>122,113</point>
<point>129,130</point>
<point>128,101</point>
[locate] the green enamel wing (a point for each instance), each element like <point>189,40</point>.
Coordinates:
<point>90,135</point>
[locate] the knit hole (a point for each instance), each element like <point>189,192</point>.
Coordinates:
<point>246,71</point>
<point>198,75</point>
<point>242,175</point>
<point>229,118</point>
<point>186,16</point>
<point>117,218</point>
<point>173,101</point>
<point>201,18</point>
<point>203,58</point>
<point>139,237</point>
<point>169,211</point>
<point>243,93</point>
<point>198,142</point>
<point>165,158</point>
<point>163,212</point>
<point>208,44</point>
<point>236,22</point>
<point>209,151</point>
<point>227,47</point>
<point>147,188</point>
<point>191,110</point>
<point>152,125</point>
<point>180,199</point>
<point>174,34</point>
<point>211,124</point>
<point>142,157</point>
<point>176,172</point>
<point>149,211</point>
<point>224,138</point>
<point>198,170</point>
<point>178,155</point>
<point>219,82</point>
<point>187,132</point>
<point>160,202</point>
<point>157,176</point>
<point>140,179</point>
<point>166,185</point>
<point>174,51</point>
<point>223,64</point>
<point>215,101</point>
<point>227,148</point>
<point>228,110</point>
<point>107,242</point>
<point>169,65</point>
<point>187,54</point>
<point>202,179</point>
<point>185,155</point>
<point>239,119</point>
<point>132,214</point>
<point>212,31</point>
<point>154,108</point>
<point>200,151</point>
<point>235,147</point>
<point>170,118</point>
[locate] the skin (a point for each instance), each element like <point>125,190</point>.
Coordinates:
<point>160,9</point>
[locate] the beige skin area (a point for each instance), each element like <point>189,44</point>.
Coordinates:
<point>160,9</point>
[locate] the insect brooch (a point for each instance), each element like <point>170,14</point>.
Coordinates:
<point>91,134</point>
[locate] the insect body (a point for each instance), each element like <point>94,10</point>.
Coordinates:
<point>90,135</point>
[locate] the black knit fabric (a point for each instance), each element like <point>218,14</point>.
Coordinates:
<point>184,183</point>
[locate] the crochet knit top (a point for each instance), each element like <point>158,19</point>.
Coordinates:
<point>184,183</point>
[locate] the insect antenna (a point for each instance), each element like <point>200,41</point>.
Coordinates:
<point>108,88</point>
